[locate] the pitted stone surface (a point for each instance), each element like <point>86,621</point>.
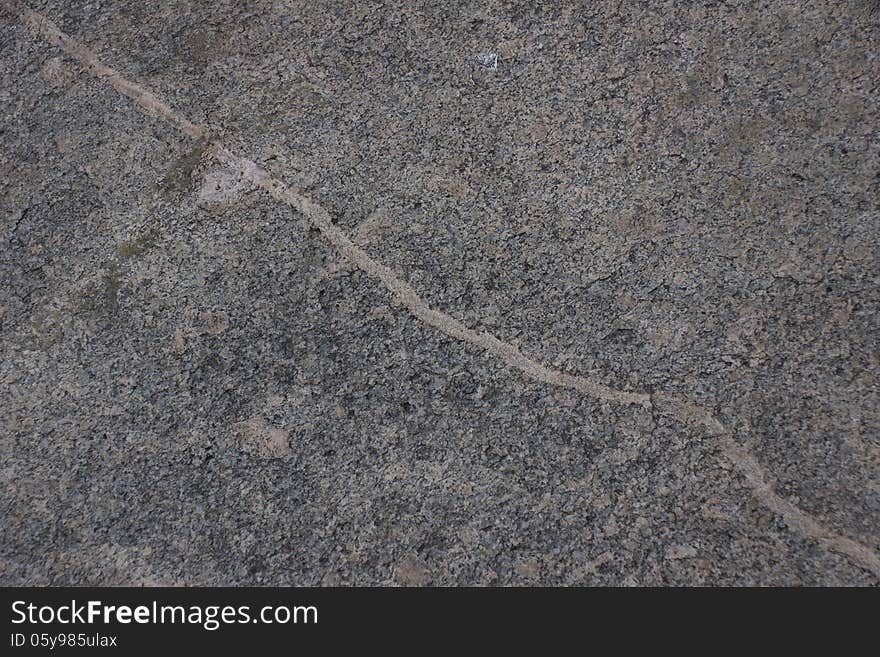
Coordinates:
<point>667,198</point>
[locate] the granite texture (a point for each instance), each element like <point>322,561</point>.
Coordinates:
<point>664,197</point>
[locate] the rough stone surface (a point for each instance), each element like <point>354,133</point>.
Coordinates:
<point>661,196</point>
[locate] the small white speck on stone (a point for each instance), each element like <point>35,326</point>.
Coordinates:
<point>489,60</point>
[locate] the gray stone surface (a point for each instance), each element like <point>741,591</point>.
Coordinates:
<point>680,197</point>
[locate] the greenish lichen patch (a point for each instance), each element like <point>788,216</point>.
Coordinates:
<point>138,246</point>
<point>112,283</point>
<point>178,179</point>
